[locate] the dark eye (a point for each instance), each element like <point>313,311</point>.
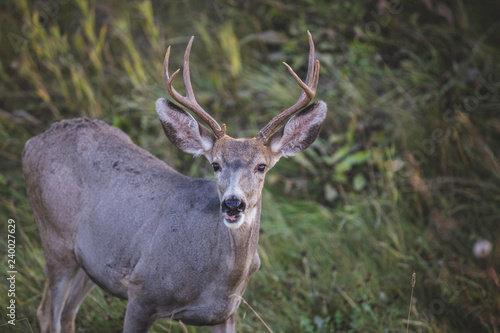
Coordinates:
<point>216,166</point>
<point>261,167</point>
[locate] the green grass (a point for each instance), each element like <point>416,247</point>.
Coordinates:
<point>405,175</point>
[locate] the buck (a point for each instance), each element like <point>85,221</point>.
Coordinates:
<point>113,215</point>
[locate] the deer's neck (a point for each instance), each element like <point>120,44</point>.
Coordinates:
<point>246,237</point>
<point>243,243</point>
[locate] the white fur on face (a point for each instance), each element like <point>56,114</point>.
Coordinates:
<point>234,188</point>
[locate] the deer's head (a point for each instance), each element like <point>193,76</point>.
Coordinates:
<point>240,165</point>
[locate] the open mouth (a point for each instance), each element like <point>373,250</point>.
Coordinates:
<point>232,218</point>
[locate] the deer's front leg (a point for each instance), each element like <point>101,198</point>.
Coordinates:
<point>138,317</point>
<point>229,326</point>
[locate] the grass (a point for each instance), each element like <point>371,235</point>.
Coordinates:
<point>404,178</point>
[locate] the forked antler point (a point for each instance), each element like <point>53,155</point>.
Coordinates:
<point>306,96</point>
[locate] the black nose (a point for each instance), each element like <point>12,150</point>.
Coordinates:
<point>233,206</point>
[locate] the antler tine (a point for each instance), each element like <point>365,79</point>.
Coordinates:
<point>308,92</point>
<point>189,101</point>
<point>186,74</point>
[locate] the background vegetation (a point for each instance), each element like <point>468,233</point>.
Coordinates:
<point>405,175</point>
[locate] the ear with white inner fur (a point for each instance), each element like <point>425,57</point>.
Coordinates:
<point>299,132</point>
<point>183,130</point>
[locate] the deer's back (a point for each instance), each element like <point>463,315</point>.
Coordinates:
<point>91,148</point>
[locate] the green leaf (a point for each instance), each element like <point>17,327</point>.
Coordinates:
<point>338,155</point>
<point>357,158</point>
<point>359,182</point>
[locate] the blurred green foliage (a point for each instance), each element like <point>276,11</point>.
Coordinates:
<point>404,177</point>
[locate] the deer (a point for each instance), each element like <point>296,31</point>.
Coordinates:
<point>111,214</point>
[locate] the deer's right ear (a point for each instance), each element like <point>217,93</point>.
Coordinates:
<point>183,130</point>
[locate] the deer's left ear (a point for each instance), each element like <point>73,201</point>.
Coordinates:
<point>299,132</point>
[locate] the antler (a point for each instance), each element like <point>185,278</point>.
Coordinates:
<point>308,93</point>
<point>189,101</point>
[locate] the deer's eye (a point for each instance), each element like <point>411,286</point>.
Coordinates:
<point>261,167</point>
<point>216,166</point>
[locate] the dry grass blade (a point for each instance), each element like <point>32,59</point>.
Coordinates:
<point>184,329</point>
<point>413,279</point>
<point>255,312</point>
